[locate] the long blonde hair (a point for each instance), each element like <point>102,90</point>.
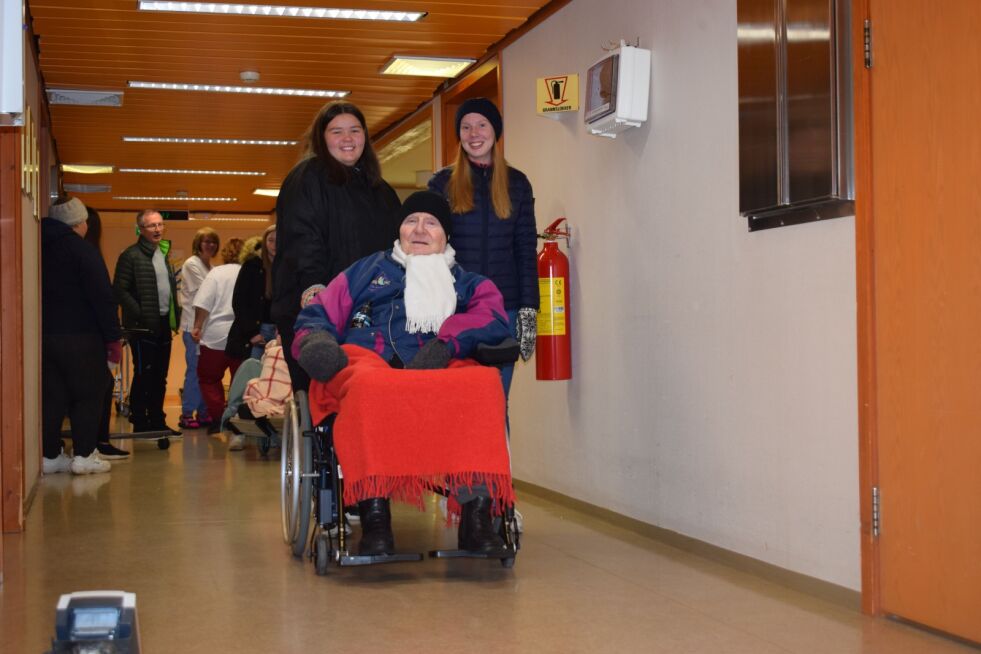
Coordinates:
<point>459,190</point>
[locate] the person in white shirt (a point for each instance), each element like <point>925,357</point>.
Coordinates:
<point>213,316</point>
<point>204,248</point>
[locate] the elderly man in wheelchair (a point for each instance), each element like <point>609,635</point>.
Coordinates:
<point>412,308</point>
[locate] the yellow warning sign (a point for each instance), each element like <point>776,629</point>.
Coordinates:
<point>551,312</point>
<point>557,94</point>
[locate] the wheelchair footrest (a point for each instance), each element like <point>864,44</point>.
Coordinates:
<point>355,559</point>
<point>503,553</point>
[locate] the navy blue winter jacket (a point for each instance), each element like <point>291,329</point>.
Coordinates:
<point>502,250</point>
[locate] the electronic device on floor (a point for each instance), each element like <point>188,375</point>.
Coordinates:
<point>96,621</point>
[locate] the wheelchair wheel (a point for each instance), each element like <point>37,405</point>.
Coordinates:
<point>322,551</point>
<point>264,445</point>
<point>296,464</point>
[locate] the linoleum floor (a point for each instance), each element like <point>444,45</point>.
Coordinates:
<point>195,532</point>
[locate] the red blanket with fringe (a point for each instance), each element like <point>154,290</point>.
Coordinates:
<point>399,433</point>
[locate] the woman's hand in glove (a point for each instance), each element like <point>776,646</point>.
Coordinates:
<point>321,356</point>
<point>431,356</point>
<point>527,331</point>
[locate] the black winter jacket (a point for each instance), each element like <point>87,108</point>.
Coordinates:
<point>135,287</point>
<point>322,228</point>
<point>503,250</point>
<point>250,306</point>
<point>76,297</point>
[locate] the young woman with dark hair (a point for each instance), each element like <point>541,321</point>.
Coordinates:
<point>333,209</point>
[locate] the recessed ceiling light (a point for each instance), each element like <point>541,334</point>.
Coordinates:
<point>172,139</point>
<point>175,171</point>
<point>87,169</point>
<point>280,11</point>
<point>168,198</point>
<point>254,90</point>
<point>426,66</point>
<point>85,98</point>
<point>270,192</point>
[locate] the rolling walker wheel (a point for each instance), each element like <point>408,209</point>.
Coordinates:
<point>163,443</point>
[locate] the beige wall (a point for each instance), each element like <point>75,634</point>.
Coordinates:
<point>714,389</point>
<point>118,234</point>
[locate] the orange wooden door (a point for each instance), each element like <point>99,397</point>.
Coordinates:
<point>925,110</point>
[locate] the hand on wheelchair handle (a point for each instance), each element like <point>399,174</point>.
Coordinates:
<point>434,355</point>
<point>527,331</point>
<point>320,356</point>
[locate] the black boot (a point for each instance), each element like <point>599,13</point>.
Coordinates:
<point>476,533</point>
<point>376,527</point>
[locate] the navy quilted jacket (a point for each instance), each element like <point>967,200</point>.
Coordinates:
<point>503,250</point>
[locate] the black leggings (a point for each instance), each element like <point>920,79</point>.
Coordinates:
<point>73,374</point>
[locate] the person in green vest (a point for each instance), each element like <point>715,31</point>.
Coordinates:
<point>146,289</point>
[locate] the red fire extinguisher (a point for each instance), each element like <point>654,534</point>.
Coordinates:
<point>553,351</point>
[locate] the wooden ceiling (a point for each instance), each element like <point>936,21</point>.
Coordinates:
<point>103,44</point>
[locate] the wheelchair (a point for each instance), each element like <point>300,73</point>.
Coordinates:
<point>312,491</point>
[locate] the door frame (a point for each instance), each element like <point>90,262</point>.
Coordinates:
<point>868,456</point>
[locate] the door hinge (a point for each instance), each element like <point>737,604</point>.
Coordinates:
<point>868,43</point>
<point>875,512</point>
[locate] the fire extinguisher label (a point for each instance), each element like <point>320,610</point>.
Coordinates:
<point>551,314</point>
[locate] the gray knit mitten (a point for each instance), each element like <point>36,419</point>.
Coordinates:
<point>527,331</point>
<point>432,356</point>
<point>321,356</point>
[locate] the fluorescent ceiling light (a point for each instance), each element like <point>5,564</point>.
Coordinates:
<point>85,98</point>
<point>87,169</point>
<point>175,171</point>
<point>426,66</point>
<point>170,139</point>
<point>168,198</point>
<point>280,11</point>
<point>254,90</point>
<point>270,192</point>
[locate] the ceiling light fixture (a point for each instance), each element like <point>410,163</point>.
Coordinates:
<point>88,188</point>
<point>171,198</point>
<point>426,66</point>
<point>85,98</point>
<point>253,90</point>
<point>281,11</point>
<point>181,139</point>
<point>87,169</point>
<point>175,171</point>
<point>269,192</point>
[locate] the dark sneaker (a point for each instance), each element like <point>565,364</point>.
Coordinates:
<point>110,451</point>
<point>204,420</point>
<point>172,433</point>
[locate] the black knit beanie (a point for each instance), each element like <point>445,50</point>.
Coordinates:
<point>485,108</point>
<point>431,203</point>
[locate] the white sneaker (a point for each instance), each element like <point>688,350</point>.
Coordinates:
<point>236,442</point>
<point>91,464</point>
<point>61,463</point>
<point>519,521</point>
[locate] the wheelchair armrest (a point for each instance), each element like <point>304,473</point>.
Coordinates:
<point>503,354</point>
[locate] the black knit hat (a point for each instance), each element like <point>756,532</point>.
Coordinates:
<point>485,108</point>
<point>431,203</point>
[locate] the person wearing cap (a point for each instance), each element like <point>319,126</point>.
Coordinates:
<point>414,307</point>
<point>494,229</point>
<point>333,208</point>
<point>80,335</point>
<point>146,290</point>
